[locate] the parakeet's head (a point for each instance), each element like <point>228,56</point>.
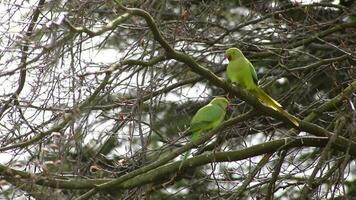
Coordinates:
<point>233,54</point>
<point>220,101</point>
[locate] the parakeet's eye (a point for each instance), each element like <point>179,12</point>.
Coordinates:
<point>228,57</point>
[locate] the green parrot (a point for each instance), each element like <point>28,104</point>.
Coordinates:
<point>241,71</point>
<point>207,118</point>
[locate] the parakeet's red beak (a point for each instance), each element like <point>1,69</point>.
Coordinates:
<point>230,107</point>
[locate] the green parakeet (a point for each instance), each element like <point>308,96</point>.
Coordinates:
<point>241,71</point>
<point>207,118</point>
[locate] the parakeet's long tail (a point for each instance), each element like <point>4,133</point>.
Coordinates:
<point>196,136</point>
<point>184,158</point>
<point>270,102</point>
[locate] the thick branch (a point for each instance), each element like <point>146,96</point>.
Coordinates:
<point>169,169</point>
<point>305,126</point>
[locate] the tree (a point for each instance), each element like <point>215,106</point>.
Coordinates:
<point>97,96</point>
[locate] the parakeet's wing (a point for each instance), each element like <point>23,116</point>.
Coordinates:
<point>253,73</point>
<point>205,117</point>
<point>199,126</point>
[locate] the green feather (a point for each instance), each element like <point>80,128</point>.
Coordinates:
<point>207,118</point>
<point>241,71</point>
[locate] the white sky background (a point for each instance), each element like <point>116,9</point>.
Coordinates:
<point>10,61</point>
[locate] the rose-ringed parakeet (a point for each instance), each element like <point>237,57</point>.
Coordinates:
<point>241,71</point>
<point>207,118</point>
